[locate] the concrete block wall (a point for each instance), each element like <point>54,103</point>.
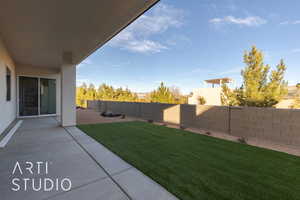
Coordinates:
<point>148,111</point>
<point>276,125</point>
<point>94,105</point>
<point>155,112</point>
<point>281,126</point>
<point>171,115</point>
<point>205,117</point>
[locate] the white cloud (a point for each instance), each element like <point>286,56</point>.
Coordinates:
<point>247,21</point>
<point>137,36</point>
<point>290,22</point>
<point>144,46</point>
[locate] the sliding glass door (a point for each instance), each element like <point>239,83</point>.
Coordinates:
<point>37,96</point>
<point>47,96</point>
<point>28,96</point>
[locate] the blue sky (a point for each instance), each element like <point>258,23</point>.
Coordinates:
<point>185,42</point>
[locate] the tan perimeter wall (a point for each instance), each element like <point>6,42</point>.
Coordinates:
<point>205,117</point>
<point>280,126</point>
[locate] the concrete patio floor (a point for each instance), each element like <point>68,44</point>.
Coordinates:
<point>94,171</point>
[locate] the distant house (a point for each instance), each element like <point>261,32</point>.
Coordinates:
<point>289,99</point>
<point>142,95</point>
<point>211,95</point>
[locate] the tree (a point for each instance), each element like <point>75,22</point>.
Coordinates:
<point>105,92</point>
<point>162,95</point>
<point>109,93</point>
<point>260,88</point>
<point>81,95</point>
<point>124,95</point>
<point>91,93</point>
<point>201,100</point>
<point>276,88</point>
<point>179,98</point>
<point>298,86</point>
<point>228,98</point>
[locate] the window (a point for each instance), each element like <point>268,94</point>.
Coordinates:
<point>8,84</point>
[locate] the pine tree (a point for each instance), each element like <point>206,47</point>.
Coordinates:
<point>162,95</point>
<point>109,93</point>
<point>260,88</point>
<point>81,95</point>
<point>255,78</point>
<point>105,92</point>
<point>276,88</point>
<point>228,98</point>
<point>91,93</point>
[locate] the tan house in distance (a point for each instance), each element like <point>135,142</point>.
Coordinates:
<point>288,101</point>
<point>211,95</point>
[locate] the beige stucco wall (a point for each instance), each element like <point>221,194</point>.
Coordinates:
<point>285,103</point>
<point>68,97</point>
<point>212,96</point>
<point>8,108</point>
<point>43,72</point>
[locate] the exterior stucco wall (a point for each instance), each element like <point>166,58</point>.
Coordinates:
<point>43,72</point>
<point>212,96</point>
<point>8,108</point>
<point>68,90</point>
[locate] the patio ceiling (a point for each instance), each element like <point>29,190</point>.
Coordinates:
<point>37,32</point>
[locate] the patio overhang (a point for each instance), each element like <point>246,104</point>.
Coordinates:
<point>37,33</point>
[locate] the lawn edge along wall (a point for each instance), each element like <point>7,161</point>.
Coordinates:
<point>280,126</point>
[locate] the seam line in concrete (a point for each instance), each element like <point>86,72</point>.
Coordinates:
<point>84,149</point>
<point>120,172</point>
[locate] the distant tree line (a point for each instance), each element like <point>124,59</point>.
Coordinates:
<point>261,87</point>
<point>106,92</point>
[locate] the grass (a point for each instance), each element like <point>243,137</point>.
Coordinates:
<point>193,166</point>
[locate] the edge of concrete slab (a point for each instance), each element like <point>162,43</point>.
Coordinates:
<point>9,135</point>
<point>131,181</point>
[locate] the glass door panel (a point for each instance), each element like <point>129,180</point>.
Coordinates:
<point>47,96</point>
<point>28,96</point>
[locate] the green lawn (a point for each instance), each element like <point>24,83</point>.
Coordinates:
<point>193,166</point>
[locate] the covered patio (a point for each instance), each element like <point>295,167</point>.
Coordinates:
<point>94,171</point>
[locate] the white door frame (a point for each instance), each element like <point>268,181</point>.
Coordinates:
<point>39,102</point>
